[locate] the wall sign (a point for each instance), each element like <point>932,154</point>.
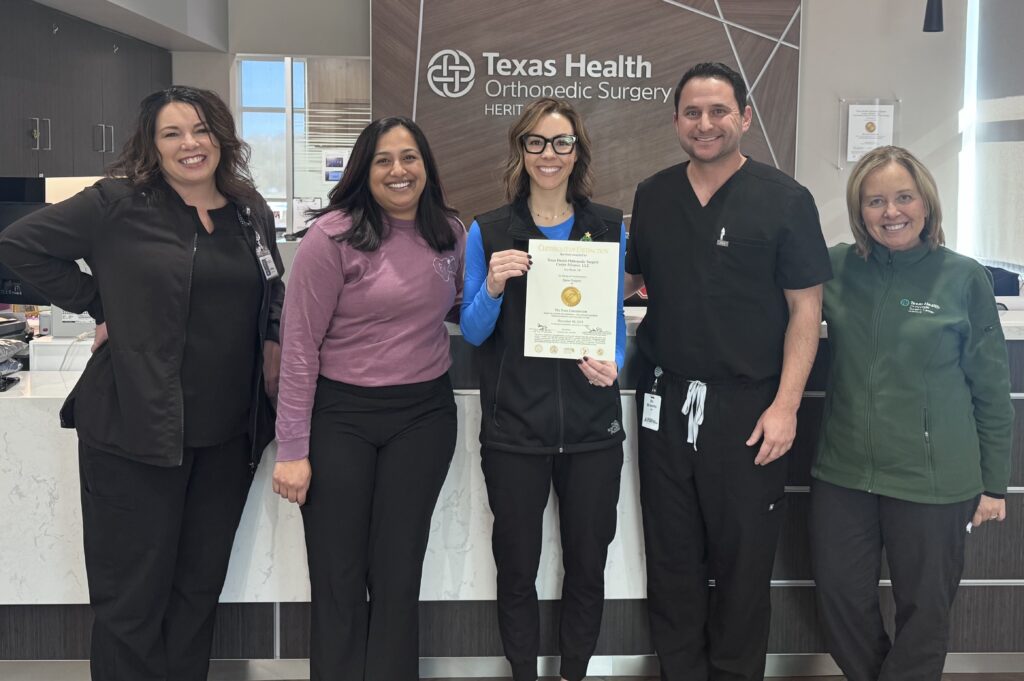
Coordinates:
<point>464,69</point>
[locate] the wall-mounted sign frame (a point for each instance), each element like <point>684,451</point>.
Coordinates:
<point>866,124</point>
<point>458,70</point>
<point>333,162</point>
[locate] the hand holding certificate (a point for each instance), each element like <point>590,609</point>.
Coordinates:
<point>571,299</point>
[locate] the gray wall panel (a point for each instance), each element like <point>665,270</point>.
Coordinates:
<point>62,632</point>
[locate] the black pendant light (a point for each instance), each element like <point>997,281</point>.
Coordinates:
<point>933,17</point>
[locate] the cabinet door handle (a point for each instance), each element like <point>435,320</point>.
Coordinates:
<point>35,134</point>
<point>103,139</point>
<point>49,135</point>
<point>112,138</point>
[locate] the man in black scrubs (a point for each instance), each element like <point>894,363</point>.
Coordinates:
<point>733,258</point>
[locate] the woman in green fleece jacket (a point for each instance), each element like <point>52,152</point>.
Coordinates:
<point>915,442</point>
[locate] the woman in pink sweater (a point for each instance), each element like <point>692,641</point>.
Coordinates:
<point>366,420</point>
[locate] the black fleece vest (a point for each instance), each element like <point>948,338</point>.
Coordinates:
<point>537,405</point>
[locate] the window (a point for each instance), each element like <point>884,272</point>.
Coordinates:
<point>301,116</point>
<point>991,201</point>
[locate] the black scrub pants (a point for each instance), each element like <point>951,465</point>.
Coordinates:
<point>518,487</point>
<point>379,458</point>
<point>924,546</point>
<point>709,513</point>
<point>157,543</point>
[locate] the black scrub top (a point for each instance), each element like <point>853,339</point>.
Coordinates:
<point>716,311</point>
<point>221,336</point>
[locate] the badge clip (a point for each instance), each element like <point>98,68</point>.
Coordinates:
<point>657,374</point>
<point>651,418</point>
<point>263,256</point>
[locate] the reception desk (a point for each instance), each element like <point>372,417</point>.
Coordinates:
<point>265,613</point>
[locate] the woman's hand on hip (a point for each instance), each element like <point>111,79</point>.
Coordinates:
<point>989,509</point>
<point>291,480</point>
<point>600,373</point>
<point>100,338</point>
<point>503,266</point>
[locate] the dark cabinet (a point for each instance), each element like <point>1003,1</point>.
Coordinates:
<point>89,139</point>
<point>108,104</point>
<point>69,90</point>
<point>29,56</point>
<point>129,62</point>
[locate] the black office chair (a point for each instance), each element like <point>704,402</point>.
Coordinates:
<point>1004,282</point>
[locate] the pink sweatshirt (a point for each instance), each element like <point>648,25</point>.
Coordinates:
<point>364,318</point>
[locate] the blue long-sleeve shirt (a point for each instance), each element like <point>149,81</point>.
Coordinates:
<point>479,311</point>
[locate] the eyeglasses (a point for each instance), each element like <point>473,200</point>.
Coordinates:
<point>560,144</point>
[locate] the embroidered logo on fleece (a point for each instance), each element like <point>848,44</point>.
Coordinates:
<point>914,307</point>
<point>446,267</point>
<point>614,428</point>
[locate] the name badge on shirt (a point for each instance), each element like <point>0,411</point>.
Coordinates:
<point>263,256</point>
<point>267,263</point>
<point>652,412</point>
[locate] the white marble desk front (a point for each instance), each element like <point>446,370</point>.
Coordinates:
<point>41,538</point>
<point>41,560</point>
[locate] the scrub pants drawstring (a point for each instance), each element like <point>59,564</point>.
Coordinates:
<point>694,408</point>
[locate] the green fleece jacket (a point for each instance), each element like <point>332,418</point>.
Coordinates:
<point>918,405</point>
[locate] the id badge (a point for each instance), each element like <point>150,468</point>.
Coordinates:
<point>267,264</point>
<point>652,412</point>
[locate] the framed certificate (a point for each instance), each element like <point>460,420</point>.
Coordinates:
<point>864,125</point>
<point>571,299</point>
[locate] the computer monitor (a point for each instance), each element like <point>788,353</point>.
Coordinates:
<point>13,291</point>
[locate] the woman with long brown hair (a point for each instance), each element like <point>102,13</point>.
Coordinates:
<point>173,409</point>
<point>367,423</point>
<point>544,421</point>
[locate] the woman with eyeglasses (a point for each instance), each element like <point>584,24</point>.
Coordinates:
<point>544,420</point>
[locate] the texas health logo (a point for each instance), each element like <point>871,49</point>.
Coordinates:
<point>450,73</point>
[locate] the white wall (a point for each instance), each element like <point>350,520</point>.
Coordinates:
<point>209,70</point>
<point>207,21</point>
<point>339,28</point>
<point>875,48</point>
<point>294,28</point>
<point>854,50</point>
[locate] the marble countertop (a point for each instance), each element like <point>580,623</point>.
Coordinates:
<point>1012,318</point>
<point>67,356</point>
<point>42,384</point>
<point>1013,324</point>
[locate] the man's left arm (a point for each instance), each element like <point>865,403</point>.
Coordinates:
<point>777,426</point>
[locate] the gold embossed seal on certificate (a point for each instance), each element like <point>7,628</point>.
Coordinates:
<point>571,299</point>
